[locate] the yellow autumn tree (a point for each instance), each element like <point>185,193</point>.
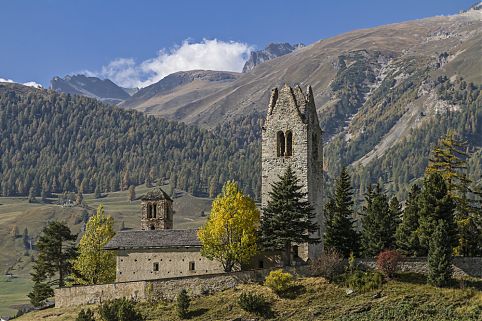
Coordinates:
<point>229,235</point>
<point>94,265</point>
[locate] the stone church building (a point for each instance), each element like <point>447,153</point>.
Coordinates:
<point>291,135</point>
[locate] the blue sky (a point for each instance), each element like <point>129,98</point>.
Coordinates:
<point>45,38</point>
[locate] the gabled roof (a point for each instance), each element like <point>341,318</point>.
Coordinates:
<point>155,194</point>
<point>153,239</point>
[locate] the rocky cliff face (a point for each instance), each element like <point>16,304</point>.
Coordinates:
<point>101,89</point>
<point>273,50</point>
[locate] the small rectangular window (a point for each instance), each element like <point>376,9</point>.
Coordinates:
<point>155,266</point>
<point>192,266</point>
<point>260,264</point>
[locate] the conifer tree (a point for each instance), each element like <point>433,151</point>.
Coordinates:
<point>440,255</point>
<point>132,193</point>
<point>31,195</point>
<point>97,192</point>
<point>435,204</point>
<point>340,234</point>
<point>56,250</point>
<point>288,216</point>
<point>378,229</point>
<point>26,239</point>
<point>183,302</point>
<point>406,235</point>
<point>95,265</point>
<point>449,159</point>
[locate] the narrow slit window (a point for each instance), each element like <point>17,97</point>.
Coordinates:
<point>314,142</point>
<point>155,266</point>
<point>280,144</point>
<point>192,266</point>
<point>154,211</point>
<point>289,143</point>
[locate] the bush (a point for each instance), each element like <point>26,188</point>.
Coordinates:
<point>387,262</point>
<point>329,265</point>
<point>183,303</point>
<point>120,310</point>
<point>85,315</point>
<point>364,281</point>
<point>253,302</point>
<point>279,281</point>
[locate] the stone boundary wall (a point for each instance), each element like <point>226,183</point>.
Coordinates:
<point>462,266</point>
<point>163,289</point>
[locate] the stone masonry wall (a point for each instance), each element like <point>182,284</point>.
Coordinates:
<point>164,289</point>
<point>462,266</point>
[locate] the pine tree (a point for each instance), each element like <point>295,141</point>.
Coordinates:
<point>183,302</point>
<point>340,233</point>
<point>435,204</point>
<point>26,239</point>
<point>95,265</point>
<point>97,192</point>
<point>288,217</point>
<point>55,251</point>
<point>31,195</point>
<point>132,193</point>
<point>440,255</point>
<point>449,159</point>
<point>79,198</point>
<point>406,235</point>
<point>378,229</point>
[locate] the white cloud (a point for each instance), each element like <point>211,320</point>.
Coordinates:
<point>208,54</point>
<point>29,84</point>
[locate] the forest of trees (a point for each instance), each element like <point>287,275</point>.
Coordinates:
<point>54,142</point>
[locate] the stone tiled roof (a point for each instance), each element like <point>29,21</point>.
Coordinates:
<point>155,194</point>
<point>153,239</point>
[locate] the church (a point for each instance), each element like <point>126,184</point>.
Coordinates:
<point>291,136</point>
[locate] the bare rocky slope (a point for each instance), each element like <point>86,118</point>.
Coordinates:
<point>375,89</point>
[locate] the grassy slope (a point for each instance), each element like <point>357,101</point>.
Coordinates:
<point>320,300</point>
<point>17,211</point>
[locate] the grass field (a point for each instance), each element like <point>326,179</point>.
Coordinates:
<point>406,299</point>
<point>17,211</point>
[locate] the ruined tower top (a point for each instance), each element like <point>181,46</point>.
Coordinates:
<point>291,136</point>
<point>157,212</point>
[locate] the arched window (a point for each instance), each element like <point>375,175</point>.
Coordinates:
<point>154,210</point>
<point>289,143</point>
<point>314,143</point>
<point>280,144</point>
<point>149,210</point>
<point>152,227</point>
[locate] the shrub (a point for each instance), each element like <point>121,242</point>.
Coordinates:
<point>183,303</point>
<point>253,302</point>
<point>279,281</point>
<point>387,262</point>
<point>364,281</point>
<point>120,310</point>
<point>85,315</point>
<point>329,265</point>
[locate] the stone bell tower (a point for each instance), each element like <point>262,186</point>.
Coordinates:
<point>157,210</point>
<point>291,135</point>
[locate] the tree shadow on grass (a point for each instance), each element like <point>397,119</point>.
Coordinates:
<point>196,313</point>
<point>411,277</point>
<point>293,292</point>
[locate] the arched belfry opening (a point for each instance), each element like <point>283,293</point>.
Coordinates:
<point>289,143</point>
<point>157,211</point>
<point>280,144</point>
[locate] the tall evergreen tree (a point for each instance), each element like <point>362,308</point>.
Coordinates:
<point>378,229</point>
<point>435,204</point>
<point>406,235</point>
<point>56,249</point>
<point>449,159</point>
<point>339,232</point>
<point>288,216</point>
<point>440,255</point>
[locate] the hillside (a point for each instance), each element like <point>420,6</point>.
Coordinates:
<point>273,50</point>
<point>93,87</point>
<point>385,95</point>
<point>18,212</point>
<point>402,300</point>
<point>54,142</point>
